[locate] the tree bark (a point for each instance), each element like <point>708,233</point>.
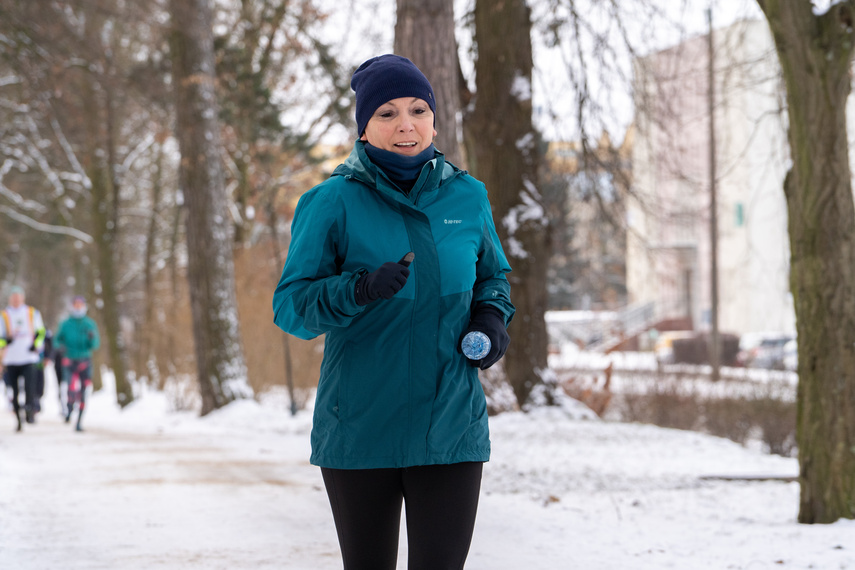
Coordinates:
<point>424,33</point>
<point>816,52</point>
<point>147,329</point>
<point>99,161</point>
<point>506,159</point>
<point>219,354</point>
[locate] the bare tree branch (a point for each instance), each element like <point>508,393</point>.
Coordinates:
<point>48,228</point>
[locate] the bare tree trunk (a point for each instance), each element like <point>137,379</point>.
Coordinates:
<point>109,271</point>
<point>106,264</point>
<point>816,54</point>
<point>424,33</point>
<point>219,353</point>
<point>147,328</point>
<point>506,160</point>
<point>104,206</point>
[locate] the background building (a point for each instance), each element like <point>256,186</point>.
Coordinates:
<point>668,211</point>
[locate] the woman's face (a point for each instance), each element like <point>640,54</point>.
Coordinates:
<point>403,125</point>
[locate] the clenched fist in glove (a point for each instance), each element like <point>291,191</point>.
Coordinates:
<point>387,280</point>
<point>489,320</point>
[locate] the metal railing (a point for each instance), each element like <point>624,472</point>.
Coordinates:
<point>600,330</point>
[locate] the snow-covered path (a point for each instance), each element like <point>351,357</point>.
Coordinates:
<point>145,489</point>
<point>118,499</point>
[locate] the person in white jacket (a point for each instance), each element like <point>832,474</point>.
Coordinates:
<point>22,333</point>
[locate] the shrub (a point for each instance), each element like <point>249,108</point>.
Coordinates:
<point>767,412</point>
<point>729,417</point>
<point>667,404</point>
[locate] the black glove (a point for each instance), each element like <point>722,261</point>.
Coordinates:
<point>488,320</point>
<point>387,280</point>
<point>33,348</point>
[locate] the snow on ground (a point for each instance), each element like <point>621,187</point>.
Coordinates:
<point>147,488</point>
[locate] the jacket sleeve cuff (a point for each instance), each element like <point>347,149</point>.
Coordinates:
<point>494,310</point>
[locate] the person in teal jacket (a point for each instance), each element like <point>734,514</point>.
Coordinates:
<point>76,338</point>
<point>394,258</point>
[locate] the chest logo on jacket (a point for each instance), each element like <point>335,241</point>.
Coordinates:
<point>448,221</point>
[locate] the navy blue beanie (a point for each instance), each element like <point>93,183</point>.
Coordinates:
<point>387,77</point>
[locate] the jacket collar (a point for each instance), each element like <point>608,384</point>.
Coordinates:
<point>434,174</point>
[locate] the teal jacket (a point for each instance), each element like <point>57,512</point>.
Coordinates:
<point>77,337</point>
<point>393,389</point>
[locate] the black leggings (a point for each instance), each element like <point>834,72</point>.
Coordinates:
<point>441,502</point>
<point>28,372</point>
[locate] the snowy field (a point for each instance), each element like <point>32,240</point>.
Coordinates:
<point>147,488</point>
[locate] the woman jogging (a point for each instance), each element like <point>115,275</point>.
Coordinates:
<point>76,338</point>
<point>394,258</point>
